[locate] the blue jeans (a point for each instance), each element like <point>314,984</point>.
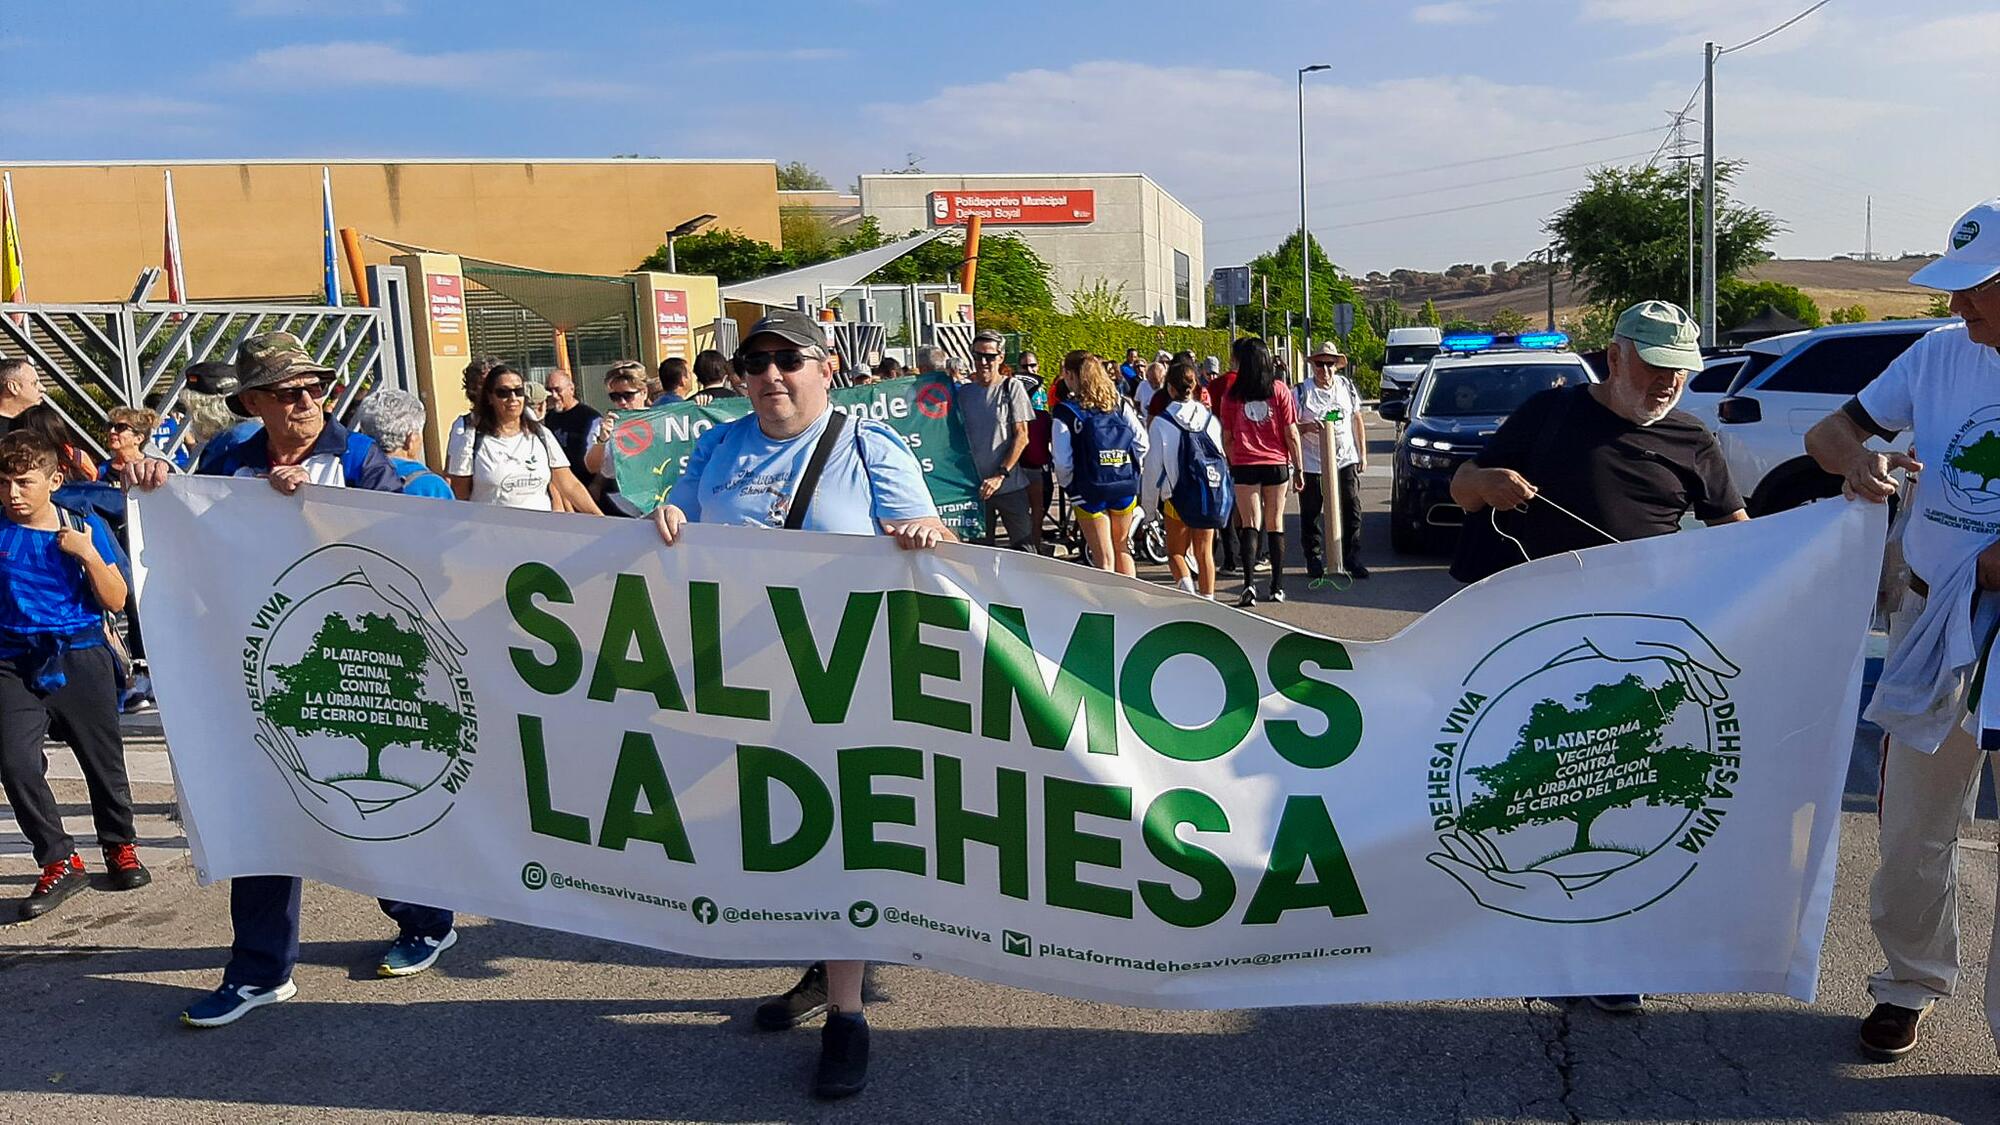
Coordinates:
<point>264,912</point>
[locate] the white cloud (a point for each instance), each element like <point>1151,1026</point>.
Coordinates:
<point>1453,12</point>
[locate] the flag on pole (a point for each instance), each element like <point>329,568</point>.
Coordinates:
<point>332,285</point>
<point>13,285</point>
<point>176,287</point>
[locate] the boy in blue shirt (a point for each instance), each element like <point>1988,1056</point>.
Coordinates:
<point>57,673</point>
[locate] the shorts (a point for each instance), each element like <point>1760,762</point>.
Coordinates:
<point>1260,475</point>
<point>1098,509</point>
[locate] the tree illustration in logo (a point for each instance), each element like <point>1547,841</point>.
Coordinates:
<point>1576,763</point>
<point>1980,459</point>
<point>364,682</point>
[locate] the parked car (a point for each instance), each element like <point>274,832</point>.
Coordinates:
<point>1405,354</point>
<point>1761,424</point>
<point>1454,409</point>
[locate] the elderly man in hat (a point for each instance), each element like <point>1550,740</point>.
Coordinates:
<point>1942,390</point>
<point>277,381</point>
<point>1329,399</point>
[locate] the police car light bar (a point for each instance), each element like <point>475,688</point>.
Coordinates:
<point>1548,340</point>
<point>1468,342</point>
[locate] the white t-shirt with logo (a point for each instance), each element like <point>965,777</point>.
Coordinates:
<point>1315,402</point>
<point>1947,390</point>
<point>512,472</point>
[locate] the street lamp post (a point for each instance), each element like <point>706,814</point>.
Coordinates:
<point>682,231</point>
<point>1305,232</point>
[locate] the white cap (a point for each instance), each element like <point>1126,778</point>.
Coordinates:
<point>1974,255</point>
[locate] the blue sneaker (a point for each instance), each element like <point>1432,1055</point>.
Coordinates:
<point>411,954</point>
<point>228,1003</point>
<point>1620,1003</point>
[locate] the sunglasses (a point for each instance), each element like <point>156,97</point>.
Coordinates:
<point>121,428</point>
<point>622,396</point>
<point>985,357</point>
<point>510,392</point>
<point>788,361</point>
<point>291,396</point>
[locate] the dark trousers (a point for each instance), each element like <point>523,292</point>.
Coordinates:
<point>264,912</point>
<point>1010,508</point>
<point>1312,502</point>
<point>84,714</point>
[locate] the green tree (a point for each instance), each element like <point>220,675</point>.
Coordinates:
<point>1100,300</point>
<point>1011,277</point>
<point>1593,329</point>
<point>1626,237</point>
<point>1430,317</point>
<point>798,176</point>
<point>1851,314</point>
<point>1981,459</point>
<point>1281,266</point>
<point>1509,321</point>
<point>1737,301</point>
<point>317,695</point>
<point>1939,305</point>
<point>728,255</point>
<point>1617,725</point>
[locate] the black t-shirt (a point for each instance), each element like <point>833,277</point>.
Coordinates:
<point>1632,481</point>
<point>6,424</point>
<point>573,430</point>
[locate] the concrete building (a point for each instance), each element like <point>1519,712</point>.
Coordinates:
<point>251,228</point>
<point>1120,228</point>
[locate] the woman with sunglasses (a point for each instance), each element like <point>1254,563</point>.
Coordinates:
<point>625,386</point>
<point>125,439</point>
<point>505,457</point>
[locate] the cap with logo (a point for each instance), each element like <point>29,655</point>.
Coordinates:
<point>262,360</point>
<point>791,326</point>
<point>1664,334</point>
<point>1973,256</point>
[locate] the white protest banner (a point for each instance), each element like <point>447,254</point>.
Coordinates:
<point>1616,771</point>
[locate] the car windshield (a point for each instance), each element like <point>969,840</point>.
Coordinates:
<point>1495,388</point>
<point>1410,353</point>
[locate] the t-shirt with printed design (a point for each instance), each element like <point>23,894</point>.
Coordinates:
<point>512,471</point>
<point>1946,389</point>
<point>1256,430</point>
<point>739,475</point>
<point>1315,403</point>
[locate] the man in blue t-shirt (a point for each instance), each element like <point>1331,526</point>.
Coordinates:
<point>57,576</point>
<point>749,471</point>
<point>276,379</point>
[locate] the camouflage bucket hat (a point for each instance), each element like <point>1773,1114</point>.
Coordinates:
<point>262,360</point>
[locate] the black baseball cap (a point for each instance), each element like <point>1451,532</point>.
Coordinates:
<point>791,326</point>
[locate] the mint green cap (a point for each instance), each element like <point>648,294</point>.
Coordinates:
<point>1665,334</point>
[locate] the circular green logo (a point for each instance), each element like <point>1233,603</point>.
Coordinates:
<point>360,693</point>
<point>863,914</point>
<point>534,876</point>
<point>705,911</point>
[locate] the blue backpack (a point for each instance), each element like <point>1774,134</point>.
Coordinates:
<point>1203,493</point>
<point>1101,445</point>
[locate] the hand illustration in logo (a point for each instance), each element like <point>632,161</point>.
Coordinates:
<point>1688,655</point>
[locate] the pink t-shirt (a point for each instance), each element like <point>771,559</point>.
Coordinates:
<point>1256,430</point>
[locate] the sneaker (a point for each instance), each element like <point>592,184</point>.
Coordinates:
<point>843,1056</point>
<point>139,696</point>
<point>1620,1003</point>
<point>1185,585</point>
<point>1249,597</point>
<point>1890,1032</point>
<point>121,862</point>
<point>1277,593</point>
<point>805,1000</point>
<point>411,954</point>
<point>59,880</point>
<point>228,1003</point>
<point>1263,566</point>
<point>1357,571</point>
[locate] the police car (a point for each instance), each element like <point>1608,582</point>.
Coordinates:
<point>1454,409</point>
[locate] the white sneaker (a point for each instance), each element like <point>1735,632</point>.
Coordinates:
<point>1185,585</point>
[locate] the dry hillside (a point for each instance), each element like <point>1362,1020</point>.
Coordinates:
<point>1883,288</point>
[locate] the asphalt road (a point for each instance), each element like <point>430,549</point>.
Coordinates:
<point>520,1024</point>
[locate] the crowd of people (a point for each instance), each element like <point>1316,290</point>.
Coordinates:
<point>1216,456</point>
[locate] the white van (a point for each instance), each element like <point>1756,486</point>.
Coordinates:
<point>1408,351</point>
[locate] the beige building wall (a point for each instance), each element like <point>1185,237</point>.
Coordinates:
<point>252,228</point>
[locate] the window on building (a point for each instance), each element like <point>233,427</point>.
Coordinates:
<point>1183,288</point>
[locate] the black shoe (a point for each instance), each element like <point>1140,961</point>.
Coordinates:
<point>59,880</point>
<point>1315,569</point>
<point>1357,571</point>
<point>843,1056</point>
<point>805,1000</point>
<point>1248,598</point>
<point>1890,1032</point>
<point>121,863</point>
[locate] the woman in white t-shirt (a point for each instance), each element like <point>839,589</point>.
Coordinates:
<point>505,457</point>
<point>1182,416</point>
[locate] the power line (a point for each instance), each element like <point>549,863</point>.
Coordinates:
<point>1773,31</point>
<point>1437,190</point>
<point>1404,217</point>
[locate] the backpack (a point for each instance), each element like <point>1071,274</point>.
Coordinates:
<point>1203,493</point>
<point>1101,456</point>
<point>121,656</point>
<point>417,473</point>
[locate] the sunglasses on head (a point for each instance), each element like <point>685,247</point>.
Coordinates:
<point>788,361</point>
<point>510,392</point>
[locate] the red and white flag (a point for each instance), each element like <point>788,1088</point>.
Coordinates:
<point>176,287</point>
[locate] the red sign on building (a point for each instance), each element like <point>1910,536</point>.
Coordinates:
<point>1026,207</point>
<point>671,313</point>
<point>445,305</point>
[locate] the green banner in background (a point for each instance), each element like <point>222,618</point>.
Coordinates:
<point>651,447</point>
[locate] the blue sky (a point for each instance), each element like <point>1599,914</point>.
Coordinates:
<point>1520,96</point>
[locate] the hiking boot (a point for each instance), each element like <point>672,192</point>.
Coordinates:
<point>805,1000</point>
<point>843,1056</point>
<point>59,880</point>
<point>121,863</point>
<point>1890,1032</point>
<point>232,1001</point>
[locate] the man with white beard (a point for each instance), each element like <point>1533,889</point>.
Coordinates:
<point>1586,465</point>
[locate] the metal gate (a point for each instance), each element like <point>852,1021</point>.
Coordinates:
<point>93,358</point>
